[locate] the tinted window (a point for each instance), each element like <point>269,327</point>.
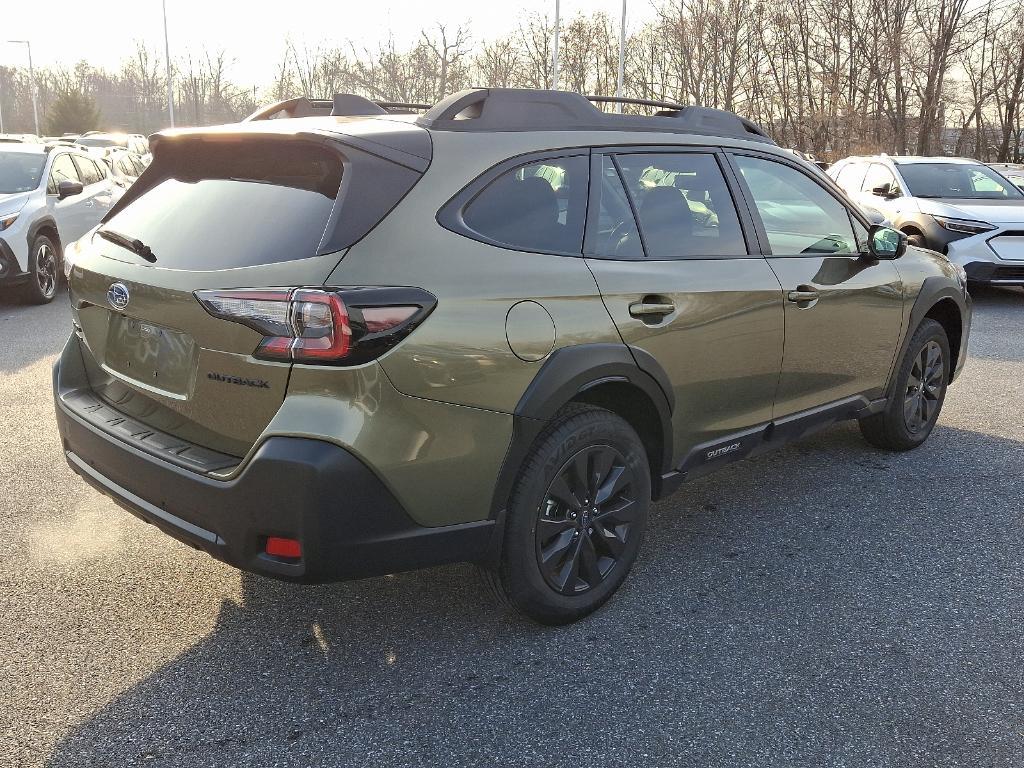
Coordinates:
<point>539,206</point>
<point>63,169</point>
<point>87,170</point>
<point>683,204</point>
<point>20,172</point>
<point>613,231</point>
<point>799,215</point>
<point>957,181</point>
<point>218,207</point>
<point>850,177</point>
<point>127,166</point>
<point>878,176</point>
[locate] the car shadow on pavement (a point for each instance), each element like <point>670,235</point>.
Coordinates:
<point>823,605</point>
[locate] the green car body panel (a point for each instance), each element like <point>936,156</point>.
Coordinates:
<point>441,419</point>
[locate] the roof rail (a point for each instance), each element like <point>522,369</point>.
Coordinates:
<point>343,104</point>
<point>527,109</point>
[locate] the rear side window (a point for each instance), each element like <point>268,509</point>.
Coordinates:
<point>683,205</point>
<point>88,171</point>
<point>213,206</point>
<point>539,206</point>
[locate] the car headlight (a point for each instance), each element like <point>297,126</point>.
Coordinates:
<point>6,221</point>
<point>963,226</point>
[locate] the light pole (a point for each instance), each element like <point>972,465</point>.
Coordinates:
<point>622,55</point>
<point>167,61</point>
<point>32,80</point>
<point>554,75</point>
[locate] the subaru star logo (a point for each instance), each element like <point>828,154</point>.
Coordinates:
<point>117,296</point>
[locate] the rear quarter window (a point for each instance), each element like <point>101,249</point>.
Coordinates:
<point>539,206</point>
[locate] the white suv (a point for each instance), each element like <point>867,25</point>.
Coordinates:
<point>956,206</point>
<point>50,195</point>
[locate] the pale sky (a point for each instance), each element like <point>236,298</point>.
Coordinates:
<point>253,32</point>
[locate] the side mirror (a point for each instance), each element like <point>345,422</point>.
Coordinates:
<point>886,243</point>
<point>68,188</point>
<point>887,190</point>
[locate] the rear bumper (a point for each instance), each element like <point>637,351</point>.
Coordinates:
<point>349,524</point>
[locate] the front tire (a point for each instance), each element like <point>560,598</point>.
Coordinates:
<point>918,393</point>
<point>577,517</point>
<point>43,271</point>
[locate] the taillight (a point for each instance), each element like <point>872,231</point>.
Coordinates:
<point>344,326</point>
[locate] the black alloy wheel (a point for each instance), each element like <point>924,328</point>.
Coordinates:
<point>585,520</point>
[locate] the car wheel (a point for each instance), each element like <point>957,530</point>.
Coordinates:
<point>917,395</point>
<point>577,517</point>
<point>44,271</point>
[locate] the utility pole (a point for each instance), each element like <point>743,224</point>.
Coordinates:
<point>622,56</point>
<point>554,76</point>
<point>167,61</point>
<point>32,80</point>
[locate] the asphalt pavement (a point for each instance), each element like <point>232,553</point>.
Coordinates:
<point>825,605</point>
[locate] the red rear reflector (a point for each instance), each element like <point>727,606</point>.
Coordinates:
<point>279,547</point>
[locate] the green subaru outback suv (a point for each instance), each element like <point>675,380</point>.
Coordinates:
<point>334,341</point>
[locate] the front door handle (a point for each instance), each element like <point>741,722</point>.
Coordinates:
<point>651,309</point>
<point>803,294</point>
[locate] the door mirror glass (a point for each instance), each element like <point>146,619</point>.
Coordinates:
<point>68,188</point>
<point>887,243</point>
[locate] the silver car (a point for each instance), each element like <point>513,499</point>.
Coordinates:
<point>953,205</point>
<point>50,195</point>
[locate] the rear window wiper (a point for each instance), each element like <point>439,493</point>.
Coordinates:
<point>133,244</point>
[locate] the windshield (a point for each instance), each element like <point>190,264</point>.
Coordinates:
<point>20,172</point>
<point>959,181</point>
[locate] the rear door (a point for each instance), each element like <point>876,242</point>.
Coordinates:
<point>684,288</point>
<point>215,216</point>
<point>844,311</point>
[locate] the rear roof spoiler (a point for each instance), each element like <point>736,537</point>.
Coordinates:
<point>342,105</point>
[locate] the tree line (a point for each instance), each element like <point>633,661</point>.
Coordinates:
<point>832,77</point>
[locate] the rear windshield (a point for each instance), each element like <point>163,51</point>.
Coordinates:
<point>211,206</point>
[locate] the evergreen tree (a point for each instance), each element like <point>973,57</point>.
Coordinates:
<point>72,112</point>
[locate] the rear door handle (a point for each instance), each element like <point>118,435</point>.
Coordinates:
<point>803,294</point>
<point>651,309</point>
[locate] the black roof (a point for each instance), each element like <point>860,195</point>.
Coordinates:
<point>528,109</point>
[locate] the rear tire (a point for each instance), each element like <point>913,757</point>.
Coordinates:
<point>917,395</point>
<point>44,271</point>
<point>577,517</point>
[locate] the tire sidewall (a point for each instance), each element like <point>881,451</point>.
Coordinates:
<point>929,331</point>
<point>521,575</point>
<point>32,289</point>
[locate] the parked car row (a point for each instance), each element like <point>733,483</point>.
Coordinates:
<point>971,212</point>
